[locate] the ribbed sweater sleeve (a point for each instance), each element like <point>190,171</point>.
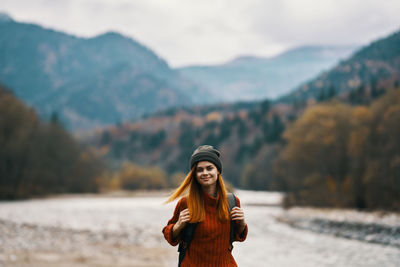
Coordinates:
<point>243,235</point>
<point>167,230</point>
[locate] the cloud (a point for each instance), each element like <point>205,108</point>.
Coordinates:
<point>327,22</point>
<point>212,31</point>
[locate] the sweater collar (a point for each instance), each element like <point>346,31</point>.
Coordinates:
<point>210,200</point>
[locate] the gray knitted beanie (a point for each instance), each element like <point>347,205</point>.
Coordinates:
<point>206,153</point>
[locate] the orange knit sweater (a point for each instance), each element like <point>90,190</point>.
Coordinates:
<point>210,244</point>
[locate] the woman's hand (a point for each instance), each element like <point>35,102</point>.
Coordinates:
<point>237,214</point>
<point>184,218</point>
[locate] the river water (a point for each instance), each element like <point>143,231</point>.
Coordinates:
<point>269,242</point>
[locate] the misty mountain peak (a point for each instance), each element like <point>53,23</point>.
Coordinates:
<point>4,17</point>
<point>112,35</point>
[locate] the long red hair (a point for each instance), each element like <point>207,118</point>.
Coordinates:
<point>195,199</point>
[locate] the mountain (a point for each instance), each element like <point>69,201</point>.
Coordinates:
<point>88,81</point>
<point>4,17</point>
<point>366,72</point>
<point>254,78</point>
<point>249,135</point>
<point>111,78</point>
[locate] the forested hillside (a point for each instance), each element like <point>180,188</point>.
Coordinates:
<point>38,158</point>
<point>168,139</point>
<point>366,73</point>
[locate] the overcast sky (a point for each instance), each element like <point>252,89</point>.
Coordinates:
<point>187,32</point>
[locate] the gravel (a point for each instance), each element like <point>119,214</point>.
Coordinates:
<point>374,227</point>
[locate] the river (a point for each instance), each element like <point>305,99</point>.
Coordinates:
<point>136,223</point>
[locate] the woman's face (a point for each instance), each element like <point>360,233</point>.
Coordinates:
<point>206,173</point>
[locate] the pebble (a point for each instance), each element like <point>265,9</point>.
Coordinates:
<point>356,225</point>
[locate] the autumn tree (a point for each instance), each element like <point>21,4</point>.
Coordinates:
<point>39,158</point>
<point>382,177</point>
<point>135,177</point>
<point>258,173</point>
<point>343,156</point>
<point>17,125</point>
<point>358,147</point>
<point>314,163</point>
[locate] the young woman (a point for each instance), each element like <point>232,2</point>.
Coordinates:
<point>205,204</point>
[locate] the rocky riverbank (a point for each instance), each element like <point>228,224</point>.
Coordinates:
<point>23,244</point>
<point>374,227</point>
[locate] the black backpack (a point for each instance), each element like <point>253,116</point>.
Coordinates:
<point>188,231</point>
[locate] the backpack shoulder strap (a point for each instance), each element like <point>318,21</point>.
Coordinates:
<point>186,238</point>
<point>232,203</point>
